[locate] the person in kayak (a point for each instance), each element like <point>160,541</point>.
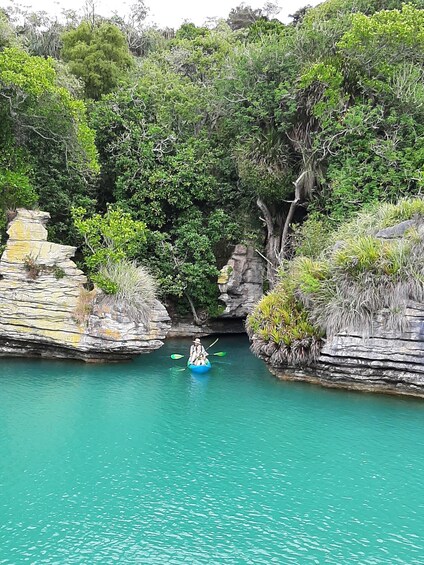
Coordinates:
<point>197,352</point>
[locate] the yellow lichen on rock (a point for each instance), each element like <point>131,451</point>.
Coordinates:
<point>224,275</point>
<point>24,229</point>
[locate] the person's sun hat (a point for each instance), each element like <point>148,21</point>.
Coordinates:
<point>197,340</point>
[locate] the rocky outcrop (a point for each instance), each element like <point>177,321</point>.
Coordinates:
<point>397,231</point>
<point>384,361</point>
<point>46,311</point>
<point>381,350</point>
<point>241,282</point>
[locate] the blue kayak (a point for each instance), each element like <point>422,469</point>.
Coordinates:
<point>199,368</point>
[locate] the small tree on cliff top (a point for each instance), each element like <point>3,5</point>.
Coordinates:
<point>108,240</point>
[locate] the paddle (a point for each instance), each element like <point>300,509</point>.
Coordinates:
<point>217,354</point>
<point>217,339</point>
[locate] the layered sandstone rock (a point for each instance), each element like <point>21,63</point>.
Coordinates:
<point>46,311</point>
<point>384,361</point>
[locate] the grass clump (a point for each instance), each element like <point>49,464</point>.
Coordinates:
<point>280,329</point>
<point>84,305</point>
<point>360,275</point>
<point>130,289</point>
<point>32,267</point>
<point>405,209</point>
<point>378,217</point>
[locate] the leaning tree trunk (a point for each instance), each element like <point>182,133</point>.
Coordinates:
<point>273,225</point>
<point>278,225</point>
<point>197,320</point>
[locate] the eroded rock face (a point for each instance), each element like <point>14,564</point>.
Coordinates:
<point>241,282</point>
<point>384,361</point>
<point>46,311</point>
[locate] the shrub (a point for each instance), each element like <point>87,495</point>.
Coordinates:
<point>58,272</point>
<point>132,289</point>
<point>311,237</point>
<point>280,329</point>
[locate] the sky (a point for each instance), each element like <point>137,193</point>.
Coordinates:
<point>165,13</point>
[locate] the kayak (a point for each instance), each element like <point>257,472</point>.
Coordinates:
<point>199,368</point>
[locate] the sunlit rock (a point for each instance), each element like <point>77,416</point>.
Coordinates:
<point>45,309</point>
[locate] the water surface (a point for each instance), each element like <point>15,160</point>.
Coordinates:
<point>144,463</point>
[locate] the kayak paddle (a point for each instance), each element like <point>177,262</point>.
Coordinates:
<point>217,354</point>
<point>217,339</point>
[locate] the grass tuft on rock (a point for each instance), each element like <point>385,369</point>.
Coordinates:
<point>132,289</point>
<point>361,275</point>
<point>280,329</point>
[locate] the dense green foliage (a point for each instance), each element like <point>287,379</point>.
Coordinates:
<point>47,148</point>
<point>163,162</point>
<point>249,130</point>
<point>109,239</point>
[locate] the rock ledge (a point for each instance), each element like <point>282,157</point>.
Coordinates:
<point>384,361</point>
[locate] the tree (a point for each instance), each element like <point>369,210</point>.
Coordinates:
<point>8,37</point>
<point>298,16</point>
<point>97,54</point>
<point>46,145</point>
<point>370,139</point>
<point>109,240</point>
<point>131,25</point>
<point>243,16</point>
<point>16,187</point>
<point>271,170</point>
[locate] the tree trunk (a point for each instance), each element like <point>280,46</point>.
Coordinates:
<point>278,225</point>
<point>196,318</point>
<point>272,242</point>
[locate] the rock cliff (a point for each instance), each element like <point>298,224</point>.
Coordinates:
<point>241,282</point>
<point>385,360</point>
<point>46,311</point>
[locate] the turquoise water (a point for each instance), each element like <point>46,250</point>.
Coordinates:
<point>142,463</point>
